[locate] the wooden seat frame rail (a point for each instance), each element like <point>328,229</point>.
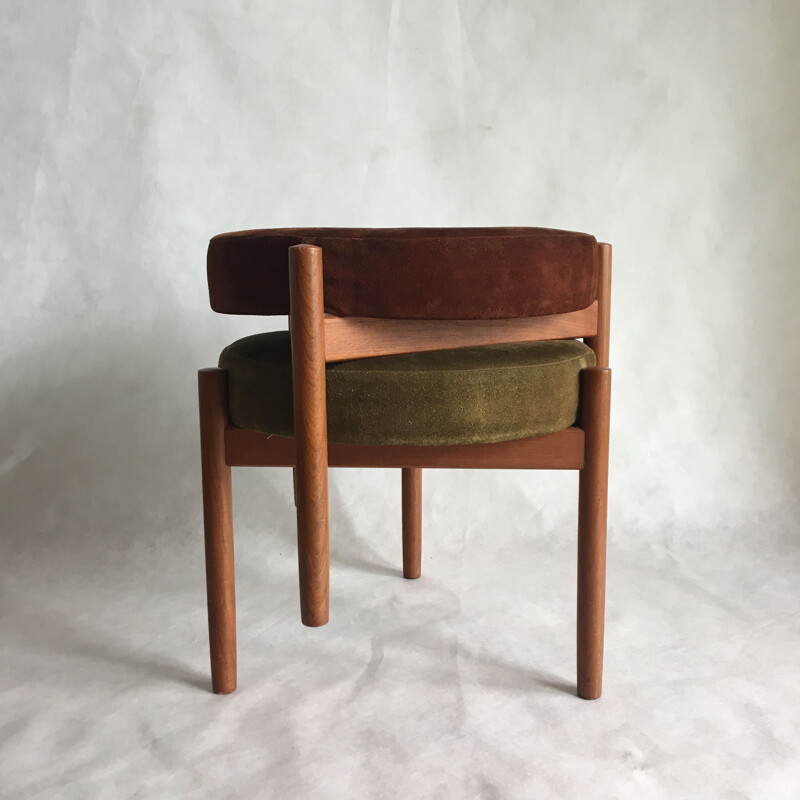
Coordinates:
<point>318,338</point>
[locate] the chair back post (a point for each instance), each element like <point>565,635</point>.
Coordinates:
<point>599,343</point>
<point>593,495</point>
<point>307,332</point>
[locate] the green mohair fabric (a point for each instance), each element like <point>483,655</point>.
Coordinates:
<point>469,395</point>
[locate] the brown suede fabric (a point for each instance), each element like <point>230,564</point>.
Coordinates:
<point>467,395</point>
<point>411,273</point>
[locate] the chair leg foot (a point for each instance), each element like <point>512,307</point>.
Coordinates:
<point>218,525</point>
<point>313,543</point>
<point>592,511</point>
<point>412,522</point>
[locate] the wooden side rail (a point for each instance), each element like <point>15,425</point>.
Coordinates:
<point>562,450</point>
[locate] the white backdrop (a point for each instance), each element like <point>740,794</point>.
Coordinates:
<point>132,132</point>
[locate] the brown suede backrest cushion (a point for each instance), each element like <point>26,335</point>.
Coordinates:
<point>411,273</point>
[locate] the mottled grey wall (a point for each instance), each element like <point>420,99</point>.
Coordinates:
<point>132,132</point>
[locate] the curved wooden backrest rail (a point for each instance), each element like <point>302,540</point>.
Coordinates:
<point>362,337</point>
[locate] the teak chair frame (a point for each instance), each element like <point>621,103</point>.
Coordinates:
<point>318,338</point>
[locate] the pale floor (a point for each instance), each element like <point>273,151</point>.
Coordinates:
<point>459,685</point>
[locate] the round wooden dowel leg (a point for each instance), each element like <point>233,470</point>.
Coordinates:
<point>592,510</point>
<point>412,522</point>
<point>218,524</point>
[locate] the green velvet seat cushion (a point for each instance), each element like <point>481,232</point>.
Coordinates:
<point>468,395</point>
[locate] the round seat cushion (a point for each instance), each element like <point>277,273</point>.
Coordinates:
<point>468,395</point>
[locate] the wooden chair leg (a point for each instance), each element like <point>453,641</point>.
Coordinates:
<point>592,506</point>
<point>412,522</point>
<point>310,430</point>
<point>218,524</point>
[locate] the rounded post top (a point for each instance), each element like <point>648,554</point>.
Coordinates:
<point>305,257</point>
<point>305,249</point>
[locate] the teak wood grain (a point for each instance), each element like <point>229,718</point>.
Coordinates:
<point>361,337</point>
<point>218,523</point>
<point>562,450</point>
<point>311,430</point>
<point>592,511</point>
<point>412,522</point>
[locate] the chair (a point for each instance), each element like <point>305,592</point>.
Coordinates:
<point>412,348</point>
